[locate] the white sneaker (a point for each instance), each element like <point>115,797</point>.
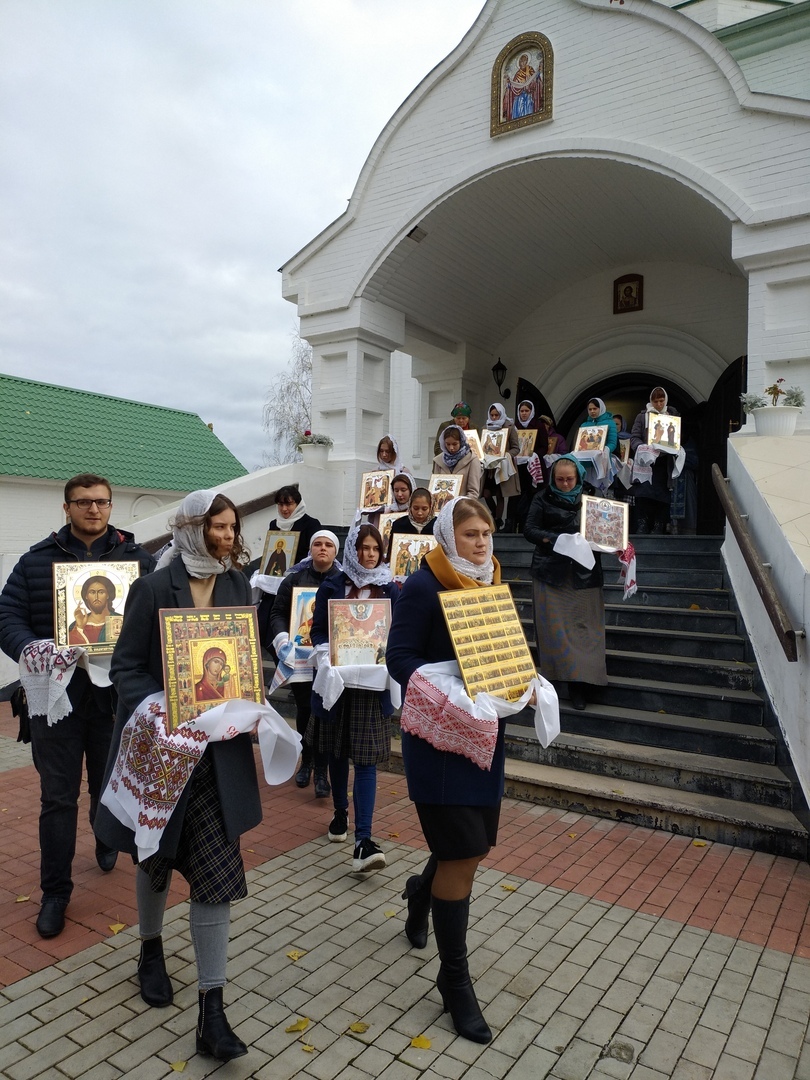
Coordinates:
<point>367,856</point>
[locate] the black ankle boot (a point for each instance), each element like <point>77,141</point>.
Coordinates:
<point>214,1036</point>
<point>156,986</point>
<point>417,893</point>
<point>458,997</point>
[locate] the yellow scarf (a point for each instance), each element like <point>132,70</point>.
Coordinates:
<point>450,578</point>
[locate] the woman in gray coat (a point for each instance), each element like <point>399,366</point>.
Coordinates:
<point>202,568</point>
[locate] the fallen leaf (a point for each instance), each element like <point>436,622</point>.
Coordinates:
<point>617,791</point>
<point>509,888</point>
<point>296,954</point>
<point>694,607</point>
<point>117,927</point>
<point>301,1024</point>
<point>663,712</point>
<point>250,849</point>
<point>393,835</point>
<point>358,1027</point>
<point>309,1049</point>
<point>178,1066</point>
<point>390,914</point>
<point>572,835</point>
<point>21,899</point>
<point>421,1042</point>
<point>394,791</point>
<point>4,810</point>
<point>698,843</point>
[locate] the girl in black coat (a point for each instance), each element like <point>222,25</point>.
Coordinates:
<point>221,799</point>
<point>653,497</point>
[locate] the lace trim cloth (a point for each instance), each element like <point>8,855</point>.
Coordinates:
<point>438,710</point>
<point>153,766</point>
<point>46,671</point>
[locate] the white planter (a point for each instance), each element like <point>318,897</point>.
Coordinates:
<point>315,455</point>
<point>779,420</point>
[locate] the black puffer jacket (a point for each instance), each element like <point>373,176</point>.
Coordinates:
<point>281,604</point>
<point>549,516</point>
<point>26,602</point>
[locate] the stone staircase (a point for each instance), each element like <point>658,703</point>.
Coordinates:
<point>680,738</point>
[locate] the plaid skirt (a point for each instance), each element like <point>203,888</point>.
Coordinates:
<point>211,864</point>
<point>355,728</point>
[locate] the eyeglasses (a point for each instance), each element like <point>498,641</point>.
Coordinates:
<point>85,504</point>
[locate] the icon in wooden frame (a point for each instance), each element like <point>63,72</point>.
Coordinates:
<point>375,489</point>
<point>280,550</point>
<point>358,631</point>
<point>604,523</point>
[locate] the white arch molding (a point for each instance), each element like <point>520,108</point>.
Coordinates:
<point>664,352</point>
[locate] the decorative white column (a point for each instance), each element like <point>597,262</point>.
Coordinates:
<point>776,257</point>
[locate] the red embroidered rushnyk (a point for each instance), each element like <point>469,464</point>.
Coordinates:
<point>429,714</point>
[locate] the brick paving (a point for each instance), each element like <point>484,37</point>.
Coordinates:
<point>599,950</point>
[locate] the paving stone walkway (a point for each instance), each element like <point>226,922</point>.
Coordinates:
<point>598,950</point>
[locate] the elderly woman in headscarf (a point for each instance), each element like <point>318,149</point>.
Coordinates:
<point>458,803</point>
<point>496,492</point>
<point>457,459</point>
<point>460,416</point>
<point>202,568</point>
<point>569,612</point>
<point>652,485</point>
<point>355,728</point>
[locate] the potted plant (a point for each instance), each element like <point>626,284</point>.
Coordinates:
<point>314,449</point>
<point>776,418</point>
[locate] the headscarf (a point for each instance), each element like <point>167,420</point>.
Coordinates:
<point>560,443</point>
<point>396,464</point>
<point>603,416</point>
<point>445,533</point>
<point>422,493</point>
<point>188,541</point>
<point>357,574</point>
<point>461,408</point>
<point>411,484</point>
<point>286,524</point>
<point>451,460</point>
<point>524,423</point>
<point>307,560</point>
<point>503,419</point>
<point>575,492</point>
<point>651,408</point>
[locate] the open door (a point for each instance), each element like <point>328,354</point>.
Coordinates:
<point>723,416</point>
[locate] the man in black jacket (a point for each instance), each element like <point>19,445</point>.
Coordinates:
<point>59,749</point>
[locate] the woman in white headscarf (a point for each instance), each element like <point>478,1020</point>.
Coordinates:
<point>458,803</point>
<point>200,569</point>
<point>493,491</point>
<point>356,728</point>
<point>652,487</point>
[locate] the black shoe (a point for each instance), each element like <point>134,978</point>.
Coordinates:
<point>302,777</point>
<point>367,857</point>
<point>214,1035</point>
<point>156,986</point>
<point>322,787</point>
<point>576,695</point>
<point>51,918</point>
<point>417,893</point>
<point>338,827</point>
<point>105,857</point>
<point>450,919</point>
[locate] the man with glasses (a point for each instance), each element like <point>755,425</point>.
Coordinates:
<point>60,748</point>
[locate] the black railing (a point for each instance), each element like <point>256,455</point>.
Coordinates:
<point>758,569</point>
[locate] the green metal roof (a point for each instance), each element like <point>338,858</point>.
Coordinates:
<point>53,432</point>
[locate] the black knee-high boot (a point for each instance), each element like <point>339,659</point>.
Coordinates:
<point>450,919</point>
<point>417,893</point>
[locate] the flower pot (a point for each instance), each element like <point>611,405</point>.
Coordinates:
<point>315,455</point>
<point>776,420</point>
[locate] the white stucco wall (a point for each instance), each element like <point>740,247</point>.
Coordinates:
<point>755,465</point>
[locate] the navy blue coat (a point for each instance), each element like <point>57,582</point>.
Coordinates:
<point>419,636</point>
<point>137,672</point>
<point>26,602</point>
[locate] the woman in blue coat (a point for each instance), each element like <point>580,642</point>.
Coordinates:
<point>356,727</point>
<point>458,803</point>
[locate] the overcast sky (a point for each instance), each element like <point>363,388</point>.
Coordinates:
<point>161,159</point>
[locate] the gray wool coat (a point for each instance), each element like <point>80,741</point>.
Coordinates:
<point>137,672</point>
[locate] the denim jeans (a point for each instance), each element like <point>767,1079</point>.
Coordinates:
<point>58,752</point>
<point>364,793</point>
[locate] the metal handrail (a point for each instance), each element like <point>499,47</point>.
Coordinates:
<point>764,586</point>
